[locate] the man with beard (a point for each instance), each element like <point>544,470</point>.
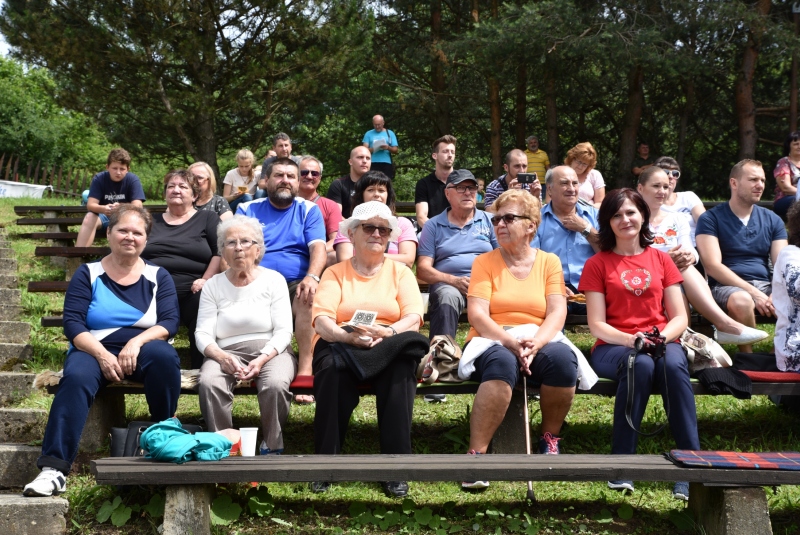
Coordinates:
<point>736,241</point>
<point>294,243</point>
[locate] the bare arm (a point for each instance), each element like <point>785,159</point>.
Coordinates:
<point>406,253</point>
<point>93,205</point>
<point>431,275</point>
<point>599,195</point>
<point>422,213</point>
<point>344,251</point>
<point>784,181</point>
<point>697,211</point>
<point>211,270</point>
<point>228,195</point>
<point>318,257</point>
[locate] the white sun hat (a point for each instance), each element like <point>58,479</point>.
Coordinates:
<point>365,212</point>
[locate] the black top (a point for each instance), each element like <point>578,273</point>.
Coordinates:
<point>342,190</point>
<point>183,250</point>
<point>431,190</point>
<point>217,204</point>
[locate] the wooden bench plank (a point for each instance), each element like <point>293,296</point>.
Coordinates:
<point>69,221</point>
<point>47,286</point>
<point>439,467</point>
<point>73,209</point>
<point>72,252</point>
<point>49,235</point>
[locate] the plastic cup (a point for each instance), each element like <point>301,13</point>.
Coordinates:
<point>248,441</point>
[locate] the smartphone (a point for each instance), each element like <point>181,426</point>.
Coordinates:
<point>527,178</point>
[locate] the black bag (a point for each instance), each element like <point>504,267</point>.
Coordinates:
<point>125,440</point>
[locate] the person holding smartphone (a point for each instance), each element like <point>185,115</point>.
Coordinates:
<point>516,163</point>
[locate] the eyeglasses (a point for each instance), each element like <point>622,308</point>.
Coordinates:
<point>246,244</point>
<point>370,230</point>
<point>673,173</point>
<point>508,218</point>
<point>198,178</point>
<point>305,172</point>
<point>580,163</point>
<point>463,189</point>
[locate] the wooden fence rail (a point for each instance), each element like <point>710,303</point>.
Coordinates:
<point>65,182</point>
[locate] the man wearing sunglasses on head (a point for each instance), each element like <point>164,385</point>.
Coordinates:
<point>448,245</point>
<point>310,176</point>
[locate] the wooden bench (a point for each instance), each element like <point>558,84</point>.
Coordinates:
<point>724,501</point>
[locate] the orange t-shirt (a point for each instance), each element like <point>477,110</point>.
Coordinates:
<point>392,293</point>
<point>515,301</point>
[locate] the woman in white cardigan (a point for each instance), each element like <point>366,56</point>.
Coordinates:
<point>244,329</point>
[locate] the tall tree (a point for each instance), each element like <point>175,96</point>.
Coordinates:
<point>186,78</point>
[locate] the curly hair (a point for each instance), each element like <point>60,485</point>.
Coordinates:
<point>610,206</point>
<point>585,151</point>
<point>530,204</point>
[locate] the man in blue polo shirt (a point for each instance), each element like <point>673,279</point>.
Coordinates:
<point>294,243</point>
<point>568,229</point>
<point>736,242</point>
<point>448,245</point>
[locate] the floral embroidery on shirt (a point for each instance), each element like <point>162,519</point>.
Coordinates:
<point>637,281</point>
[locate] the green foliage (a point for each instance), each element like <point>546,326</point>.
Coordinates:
<point>35,127</point>
<point>224,510</point>
<point>117,511</point>
<point>260,502</point>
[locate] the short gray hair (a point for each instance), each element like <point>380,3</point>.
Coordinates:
<point>528,139</point>
<point>312,158</point>
<point>241,221</point>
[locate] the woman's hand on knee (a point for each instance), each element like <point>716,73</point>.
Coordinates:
<point>110,367</point>
<point>129,356</point>
<point>231,365</point>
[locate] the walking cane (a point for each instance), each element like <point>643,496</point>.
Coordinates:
<point>531,496</point>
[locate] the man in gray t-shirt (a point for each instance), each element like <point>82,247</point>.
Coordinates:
<point>448,245</point>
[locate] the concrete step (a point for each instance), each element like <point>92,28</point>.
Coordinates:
<point>15,386</point>
<point>10,296</point>
<point>22,425</point>
<point>5,250</point>
<point>10,312</point>
<point>8,280</point>
<point>8,265</point>
<point>14,356</point>
<point>15,332</point>
<point>18,465</point>
<point>32,516</point>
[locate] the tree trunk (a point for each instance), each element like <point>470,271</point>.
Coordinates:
<point>206,143</point>
<point>494,129</point>
<point>743,90</point>
<point>520,109</point>
<point>630,128</point>
<point>793,90</point>
<point>551,111</point>
<point>441,114</point>
<point>688,109</point>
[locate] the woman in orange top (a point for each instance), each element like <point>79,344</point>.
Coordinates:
<point>368,282</point>
<point>518,285</point>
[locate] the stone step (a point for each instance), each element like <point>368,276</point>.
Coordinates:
<point>22,425</point>
<point>14,356</point>
<point>10,296</point>
<point>8,265</point>
<point>15,332</point>
<point>8,280</point>
<point>18,465</point>
<point>15,386</point>
<point>32,516</point>
<point>10,312</point>
<point>6,251</point>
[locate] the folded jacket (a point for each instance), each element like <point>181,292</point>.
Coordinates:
<point>367,363</point>
<point>168,441</point>
<point>719,381</point>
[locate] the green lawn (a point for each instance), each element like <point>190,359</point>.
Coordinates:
<point>725,423</point>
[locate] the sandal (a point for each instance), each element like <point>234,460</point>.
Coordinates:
<point>303,399</point>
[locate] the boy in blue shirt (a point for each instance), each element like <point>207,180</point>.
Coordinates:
<point>108,189</point>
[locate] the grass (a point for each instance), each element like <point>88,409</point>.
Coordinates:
<point>724,423</point>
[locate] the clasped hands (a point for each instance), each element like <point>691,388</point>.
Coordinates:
<point>525,349</point>
<point>231,365</point>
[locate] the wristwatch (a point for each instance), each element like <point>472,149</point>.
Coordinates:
<point>312,276</point>
<point>586,232</point>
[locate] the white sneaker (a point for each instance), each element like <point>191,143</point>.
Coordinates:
<point>748,336</point>
<point>49,482</point>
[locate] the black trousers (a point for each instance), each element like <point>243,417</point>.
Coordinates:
<point>189,303</point>
<point>336,393</point>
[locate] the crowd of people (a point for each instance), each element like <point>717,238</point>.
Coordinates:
<point>271,259</point>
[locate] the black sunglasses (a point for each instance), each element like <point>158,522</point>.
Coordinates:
<point>305,172</point>
<point>370,230</point>
<point>508,218</point>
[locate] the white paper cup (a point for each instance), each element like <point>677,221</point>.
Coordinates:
<point>248,441</point>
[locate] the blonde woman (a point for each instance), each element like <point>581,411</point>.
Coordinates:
<point>582,158</point>
<point>208,199</point>
<point>240,183</point>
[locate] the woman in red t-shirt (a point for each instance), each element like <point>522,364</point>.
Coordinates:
<point>631,288</point>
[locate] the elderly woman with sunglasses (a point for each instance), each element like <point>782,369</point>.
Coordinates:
<point>369,282</point>
<point>499,279</point>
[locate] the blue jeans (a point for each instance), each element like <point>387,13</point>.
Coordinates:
<point>609,361</point>
<point>236,202</point>
<point>158,367</point>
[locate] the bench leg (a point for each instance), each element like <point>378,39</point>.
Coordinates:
<point>108,410</point>
<point>510,436</point>
<point>188,510</point>
<point>730,510</point>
